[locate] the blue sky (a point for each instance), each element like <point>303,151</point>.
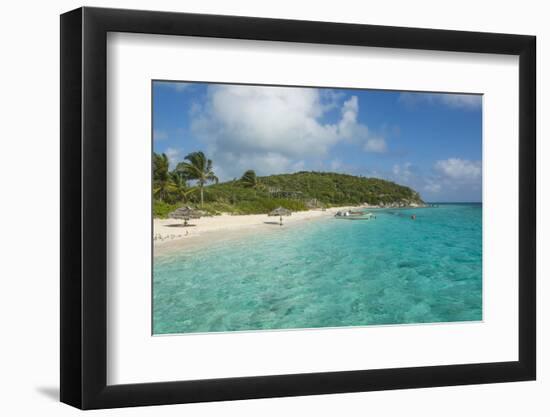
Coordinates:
<point>430,142</point>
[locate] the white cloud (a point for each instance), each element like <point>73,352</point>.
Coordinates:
<point>179,87</point>
<point>159,135</point>
<point>432,187</point>
<point>466,101</point>
<point>403,173</point>
<point>228,165</point>
<point>412,176</point>
<point>459,169</point>
<point>335,164</point>
<point>376,144</point>
<point>458,101</point>
<point>452,179</point>
<point>176,86</point>
<point>174,156</point>
<point>269,128</point>
<point>298,166</point>
<point>348,126</point>
<point>195,109</point>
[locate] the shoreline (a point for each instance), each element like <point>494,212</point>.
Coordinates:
<point>171,234</point>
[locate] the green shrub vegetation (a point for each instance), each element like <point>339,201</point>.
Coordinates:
<point>252,194</point>
<point>162,209</point>
<point>257,206</point>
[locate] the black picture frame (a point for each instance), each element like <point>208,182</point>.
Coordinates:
<point>84,207</point>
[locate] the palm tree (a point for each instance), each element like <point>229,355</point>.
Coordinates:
<point>179,186</point>
<point>198,168</point>
<point>162,190</point>
<point>160,167</point>
<point>249,179</point>
<point>161,179</point>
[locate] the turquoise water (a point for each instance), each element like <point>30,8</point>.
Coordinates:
<point>328,273</point>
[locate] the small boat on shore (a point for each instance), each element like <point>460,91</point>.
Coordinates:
<point>354,215</point>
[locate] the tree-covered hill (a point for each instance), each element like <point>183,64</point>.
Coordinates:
<point>194,183</point>
<point>342,189</point>
<point>303,190</point>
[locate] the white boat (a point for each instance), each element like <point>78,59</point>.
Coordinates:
<point>354,215</point>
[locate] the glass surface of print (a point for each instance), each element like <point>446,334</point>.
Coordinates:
<point>296,207</point>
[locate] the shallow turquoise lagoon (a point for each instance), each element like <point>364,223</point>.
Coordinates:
<point>328,273</point>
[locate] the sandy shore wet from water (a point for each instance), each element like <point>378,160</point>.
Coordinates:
<point>170,234</point>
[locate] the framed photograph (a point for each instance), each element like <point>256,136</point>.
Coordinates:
<point>259,208</point>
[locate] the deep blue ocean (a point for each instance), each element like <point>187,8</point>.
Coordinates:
<point>328,273</point>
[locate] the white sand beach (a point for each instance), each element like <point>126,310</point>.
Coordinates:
<point>167,232</point>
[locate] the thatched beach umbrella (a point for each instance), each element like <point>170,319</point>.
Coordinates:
<point>280,211</point>
<point>186,213</point>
